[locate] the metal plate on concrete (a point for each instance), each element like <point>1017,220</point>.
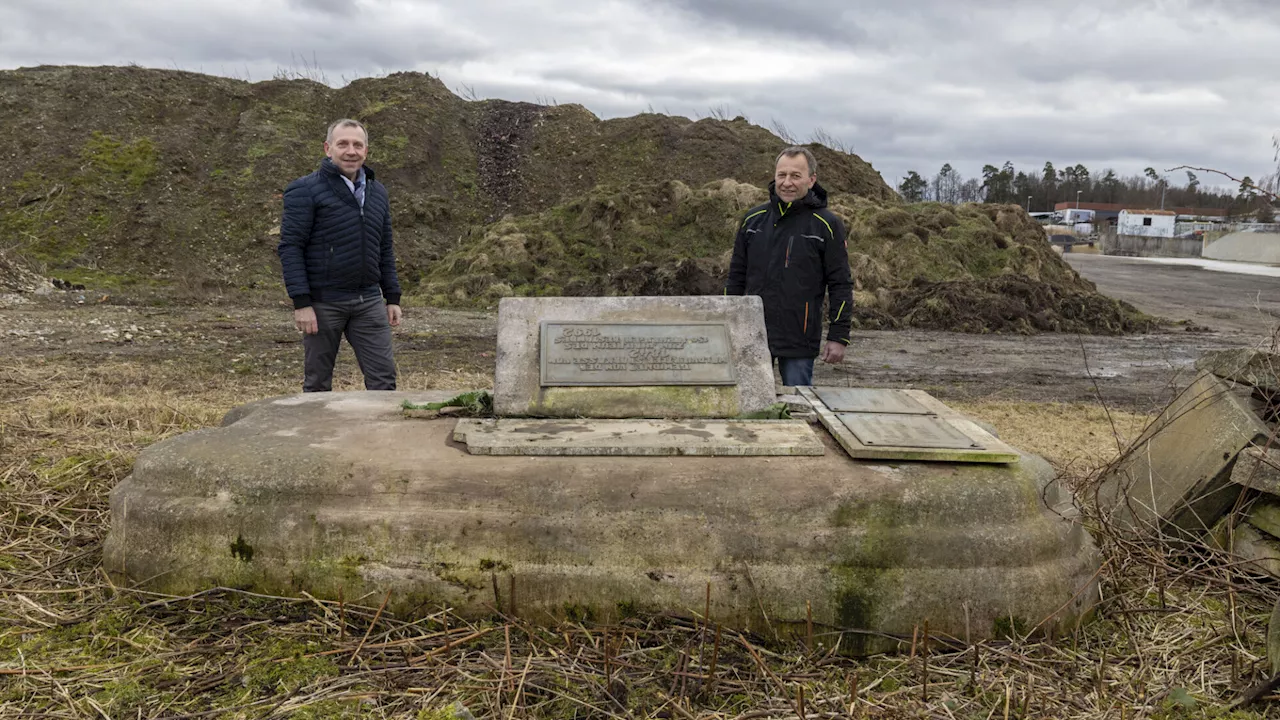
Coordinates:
<point>907,431</point>
<point>598,353</point>
<point>869,400</point>
<point>510,436</point>
<point>948,436</point>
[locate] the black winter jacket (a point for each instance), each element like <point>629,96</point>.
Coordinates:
<point>791,254</point>
<point>330,248</point>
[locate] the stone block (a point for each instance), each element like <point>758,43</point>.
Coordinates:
<point>1260,551</point>
<point>619,438</point>
<point>1244,365</point>
<point>1266,517</point>
<point>1177,475</point>
<point>519,389</point>
<point>1258,468</point>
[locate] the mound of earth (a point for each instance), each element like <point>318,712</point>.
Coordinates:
<point>168,182</point>
<point>16,277</point>
<point>968,268</point>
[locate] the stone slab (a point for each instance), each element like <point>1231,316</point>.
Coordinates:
<point>1258,468</point>
<point>885,429</point>
<point>992,450</point>
<point>518,391</point>
<point>1260,551</point>
<point>869,400</point>
<point>621,354</point>
<point>709,438</point>
<point>338,495</point>
<point>1177,475</point>
<point>1265,516</point>
<point>1244,365</point>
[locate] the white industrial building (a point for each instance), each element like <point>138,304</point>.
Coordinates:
<point>1147,223</point>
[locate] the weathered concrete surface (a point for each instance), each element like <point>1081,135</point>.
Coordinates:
<point>987,448</point>
<point>339,492</point>
<point>1265,515</point>
<point>1142,246</point>
<point>1258,468</point>
<point>650,438</point>
<point>1260,551</point>
<point>1244,365</point>
<point>1246,247</point>
<point>1177,476</point>
<point>516,386</point>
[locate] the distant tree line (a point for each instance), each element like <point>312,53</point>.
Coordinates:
<point>1040,191</point>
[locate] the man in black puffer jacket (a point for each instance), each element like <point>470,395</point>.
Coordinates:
<point>339,265</point>
<point>791,252</point>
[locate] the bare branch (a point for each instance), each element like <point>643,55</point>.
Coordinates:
<point>1268,193</point>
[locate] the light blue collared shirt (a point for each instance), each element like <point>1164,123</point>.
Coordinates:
<point>357,187</point>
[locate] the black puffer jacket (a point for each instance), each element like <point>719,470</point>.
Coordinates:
<point>330,248</point>
<point>791,255</point>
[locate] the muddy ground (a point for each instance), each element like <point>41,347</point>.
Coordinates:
<point>456,348</point>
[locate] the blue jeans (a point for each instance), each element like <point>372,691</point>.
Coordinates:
<point>796,371</point>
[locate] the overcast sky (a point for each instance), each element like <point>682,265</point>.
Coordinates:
<point>909,84</point>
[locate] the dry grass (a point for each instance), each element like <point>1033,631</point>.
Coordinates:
<point>1076,436</point>
<point>1179,633</point>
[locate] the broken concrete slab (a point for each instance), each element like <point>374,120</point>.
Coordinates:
<point>1244,365</point>
<point>616,438</point>
<point>1177,475</point>
<point>1258,467</point>
<point>338,494</point>
<point>610,346</point>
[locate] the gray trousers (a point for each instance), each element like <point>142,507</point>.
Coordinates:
<point>364,322</point>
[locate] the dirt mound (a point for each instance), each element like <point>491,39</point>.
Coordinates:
<point>1006,303</point>
<point>16,277</point>
<point>971,268</point>
<point>162,181</point>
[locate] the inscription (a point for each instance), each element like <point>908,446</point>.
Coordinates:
<point>636,354</point>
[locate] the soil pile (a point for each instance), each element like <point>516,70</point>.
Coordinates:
<point>168,182</point>
<point>16,277</point>
<point>971,268</point>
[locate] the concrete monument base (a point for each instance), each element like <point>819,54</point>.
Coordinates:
<point>334,493</point>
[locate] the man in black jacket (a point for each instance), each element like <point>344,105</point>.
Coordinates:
<point>339,265</point>
<point>791,252</point>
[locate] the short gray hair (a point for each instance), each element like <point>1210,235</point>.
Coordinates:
<point>347,122</point>
<point>795,150</point>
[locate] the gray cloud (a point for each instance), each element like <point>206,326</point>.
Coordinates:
<point>909,85</point>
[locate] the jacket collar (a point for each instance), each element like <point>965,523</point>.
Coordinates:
<point>816,198</point>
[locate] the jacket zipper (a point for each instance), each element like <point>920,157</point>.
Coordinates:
<point>790,240</point>
<point>806,318</point>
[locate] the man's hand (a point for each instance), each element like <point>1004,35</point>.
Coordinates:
<point>305,320</point>
<point>833,352</point>
<point>394,314</point>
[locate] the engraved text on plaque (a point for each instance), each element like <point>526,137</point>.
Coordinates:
<point>599,353</point>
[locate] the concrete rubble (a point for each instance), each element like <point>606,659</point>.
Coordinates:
<point>1209,466</point>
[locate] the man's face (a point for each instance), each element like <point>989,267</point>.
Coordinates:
<point>791,178</point>
<point>347,149</point>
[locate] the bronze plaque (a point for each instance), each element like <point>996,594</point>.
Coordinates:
<point>602,353</point>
